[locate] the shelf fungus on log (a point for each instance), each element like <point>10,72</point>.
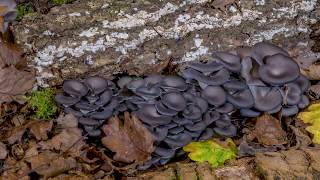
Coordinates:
<point>195,106</point>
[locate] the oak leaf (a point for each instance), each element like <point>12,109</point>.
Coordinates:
<point>132,141</point>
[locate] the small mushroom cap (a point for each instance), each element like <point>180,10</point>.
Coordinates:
<point>178,140</point>
<point>123,81</point>
<point>241,99</point>
<point>243,51</point>
<point>193,134</point>
<point>164,152</point>
<point>228,131</point>
<point>148,93</point>
<point>181,121</point>
<point>205,67</point>
<point>279,69</point>
<point>162,109</point>
<point>96,84</point>
<point>229,61</point>
<point>276,109</point>
<point>264,49</point>
<point>68,110</point>
<point>88,121</point>
<point>249,72</point>
<point>202,104</point>
<point>210,117</point>
<point>148,114</point>
<point>160,133</point>
<point>304,102</point>
<point>289,111</point>
<point>214,79</point>
<point>8,13</point>
<point>199,126</point>
<point>303,83</point>
<point>192,112</point>
<point>222,122</point>
<point>235,85</point>
<point>94,133</point>
<point>174,101</point>
<point>66,100</point>
<point>176,130</point>
<point>83,105</point>
<point>174,82</point>
<point>74,88</point>
<point>266,98</point>
<point>135,84</point>
<point>215,95</point>
<point>249,113</point>
<point>103,115</point>
<point>206,135</point>
<point>105,97</point>
<point>225,108</point>
<point>292,94</point>
<point>164,161</point>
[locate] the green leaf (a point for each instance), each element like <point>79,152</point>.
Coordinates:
<point>312,117</point>
<point>211,151</point>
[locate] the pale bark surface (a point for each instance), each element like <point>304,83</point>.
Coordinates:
<point>107,37</point>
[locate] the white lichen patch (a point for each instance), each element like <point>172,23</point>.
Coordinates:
<point>48,33</point>
<point>90,32</point>
<point>195,54</point>
<point>77,14</point>
<point>260,2</point>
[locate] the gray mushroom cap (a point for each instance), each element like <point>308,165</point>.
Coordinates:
<point>105,97</point>
<point>225,108</point>
<point>206,135</point>
<point>66,100</point>
<point>279,69</point>
<point>276,109</point>
<point>266,98</point>
<point>174,101</point>
<point>227,131</point>
<point>215,95</point>
<point>178,140</point>
<point>289,111</point>
<point>192,112</point>
<point>243,51</point>
<point>229,61</point>
<point>103,115</point>
<point>9,14</point>
<point>153,79</point>
<point>264,49</point>
<point>210,116</point>
<point>241,99</point>
<point>304,102</point>
<point>174,82</point>
<point>74,88</point>
<point>214,79</point>
<point>176,130</point>
<point>292,94</point>
<point>148,92</point>
<point>249,113</point>
<point>205,67</point>
<point>123,81</point>
<point>202,104</point>
<point>199,126</point>
<point>162,109</point>
<point>96,84</point>
<point>235,85</point>
<point>135,84</point>
<point>164,153</point>
<point>148,114</point>
<point>303,83</point>
<point>160,133</point>
<point>88,121</point>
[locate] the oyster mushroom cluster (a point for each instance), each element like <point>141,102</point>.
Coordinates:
<point>177,112</point>
<point>263,78</point>
<point>92,101</point>
<point>196,105</point>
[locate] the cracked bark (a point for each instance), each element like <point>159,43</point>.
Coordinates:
<point>95,37</point>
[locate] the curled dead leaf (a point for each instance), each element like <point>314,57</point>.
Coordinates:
<point>3,151</point>
<point>67,121</point>
<point>40,129</point>
<point>132,142</point>
<point>268,131</point>
<point>15,134</point>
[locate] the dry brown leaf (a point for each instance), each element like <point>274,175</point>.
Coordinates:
<point>68,121</point>
<point>312,71</point>
<point>18,120</point>
<point>15,134</point>
<point>51,164</point>
<point>70,140</point>
<point>131,142</point>
<point>3,151</point>
<point>40,129</point>
<point>268,131</point>
<point>9,54</point>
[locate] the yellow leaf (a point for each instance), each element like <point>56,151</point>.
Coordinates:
<point>312,117</point>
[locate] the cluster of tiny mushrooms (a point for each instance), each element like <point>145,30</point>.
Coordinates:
<point>199,103</point>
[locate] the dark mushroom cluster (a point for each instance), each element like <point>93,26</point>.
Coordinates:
<point>177,112</point>
<point>92,101</point>
<point>259,79</point>
<point>196,105</point>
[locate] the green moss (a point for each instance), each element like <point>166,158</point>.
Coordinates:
<point>23,9</point>
<point>43,103</point>
<point>59,2</point>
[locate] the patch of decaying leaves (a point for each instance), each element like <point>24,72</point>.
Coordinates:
<point>213,151</point>
<point>131,141</point>
<point>47,156</point>
<point>312,116</point>
<point>268,131</point>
